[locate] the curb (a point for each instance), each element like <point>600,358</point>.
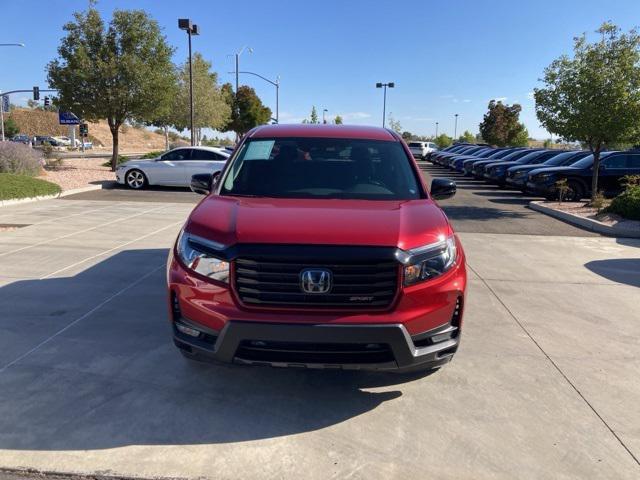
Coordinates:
<point>586,223</point>
<point>18,201</point>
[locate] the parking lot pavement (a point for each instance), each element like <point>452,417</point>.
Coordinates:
<point>545,384</point>
<point>112,192</point>
<point>479,207</point>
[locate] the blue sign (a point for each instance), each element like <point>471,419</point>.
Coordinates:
<point>67,118</point>
<point>5,103</point>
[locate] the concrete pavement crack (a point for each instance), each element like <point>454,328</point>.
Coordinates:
<point>555,365</point>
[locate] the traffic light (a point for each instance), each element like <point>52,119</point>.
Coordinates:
<point>36,93</point>
<point>47,101</point>
<point>84,129</point>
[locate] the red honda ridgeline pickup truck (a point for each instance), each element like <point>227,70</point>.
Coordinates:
<point>319,246</point>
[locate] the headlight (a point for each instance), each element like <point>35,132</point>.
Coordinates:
<point>541,177</point>
<point>518,174</point>
<point>434,260</point>
<point>200,261</point>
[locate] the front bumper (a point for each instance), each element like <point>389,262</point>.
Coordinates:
<point>420,328</point>
<point>120,176</point>
<point>353,347</point>
<point>517,182</point>
<point>539,188</point>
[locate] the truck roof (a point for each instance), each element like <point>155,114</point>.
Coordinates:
<point>330,131</point>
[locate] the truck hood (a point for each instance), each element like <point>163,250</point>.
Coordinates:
<point>543,169</point>
<point>404,223</point>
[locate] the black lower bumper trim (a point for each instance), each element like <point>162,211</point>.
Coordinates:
<point>370,347</point>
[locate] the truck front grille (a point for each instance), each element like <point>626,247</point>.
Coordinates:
<point>278,283</point>
<point>314,353</point>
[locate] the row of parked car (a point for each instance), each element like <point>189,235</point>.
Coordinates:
<point>40,140</point>
<point>537,170</point>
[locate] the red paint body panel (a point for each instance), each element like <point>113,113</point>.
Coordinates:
<point>403,224</point>
<point>361,132</point>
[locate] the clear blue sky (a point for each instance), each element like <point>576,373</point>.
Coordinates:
<point>445,57</point>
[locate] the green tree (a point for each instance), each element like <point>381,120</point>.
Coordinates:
<point>467,137</point>
<point>406,135</point>
<point>521,139</point>
<point>500,125</point>
<point>338,120</point>
<point>121,71</point>
<point>314,115</point>
<point>10,127</point>
<point>394,124</point>
<point>443,140</point>
<point>247,110</point>
<point>210,109</point>
<point>594,97</point>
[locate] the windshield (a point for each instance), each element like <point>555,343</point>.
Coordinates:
<point>559,159</point>
<point>321,168</point>
<point>585,162</point>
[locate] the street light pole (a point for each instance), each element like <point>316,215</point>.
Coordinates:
<point>191,29</point>
<point>1,99</point>
<point>324,118</point>
<point>250,50</point>
<point>455,129</point>
<point>275,84</point>
<point>384,101</point>
<point>193,133</point>
<point>436,129</point>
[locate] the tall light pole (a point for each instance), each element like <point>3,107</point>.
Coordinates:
<point>324,118</point>
<point>1,96</point>
<point>191,29</point>
<point>384,102</point>
<point>276,84</point>
<point>436,129</point>
<point>455,128</point>
<point>237,55</point>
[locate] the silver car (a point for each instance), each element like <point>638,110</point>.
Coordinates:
<point>173,168</point>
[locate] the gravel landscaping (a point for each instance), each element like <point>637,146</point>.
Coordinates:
<point>581,209</point>
<point>78,173</point>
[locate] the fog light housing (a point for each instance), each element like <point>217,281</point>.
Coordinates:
<point>192,332</point>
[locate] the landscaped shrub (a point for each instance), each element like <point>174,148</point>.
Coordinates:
<point>20,159</point>
<point>154,154</point>
<point>627,204</point>
<point>121,159</point>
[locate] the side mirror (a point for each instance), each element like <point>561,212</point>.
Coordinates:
<point>201,183</point>
<point>442,188</point>
<point>215,178</point>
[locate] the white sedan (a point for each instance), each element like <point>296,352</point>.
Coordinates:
<point>173,168</point>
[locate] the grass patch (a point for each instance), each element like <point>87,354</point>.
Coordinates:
<point>21,186</point>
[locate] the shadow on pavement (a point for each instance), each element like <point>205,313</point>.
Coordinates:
<point>629,242</point>
<point>459,212</point>
<point>114,378</point>
<point>621,270</point>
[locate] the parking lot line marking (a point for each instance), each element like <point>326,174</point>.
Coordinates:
<point>82,317</point>
<point>555,365</point>
<point>111,250</point>
<point>44,242</point>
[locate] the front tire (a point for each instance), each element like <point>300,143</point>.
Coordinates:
<point>576,191</point>
<point>135,179</point>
